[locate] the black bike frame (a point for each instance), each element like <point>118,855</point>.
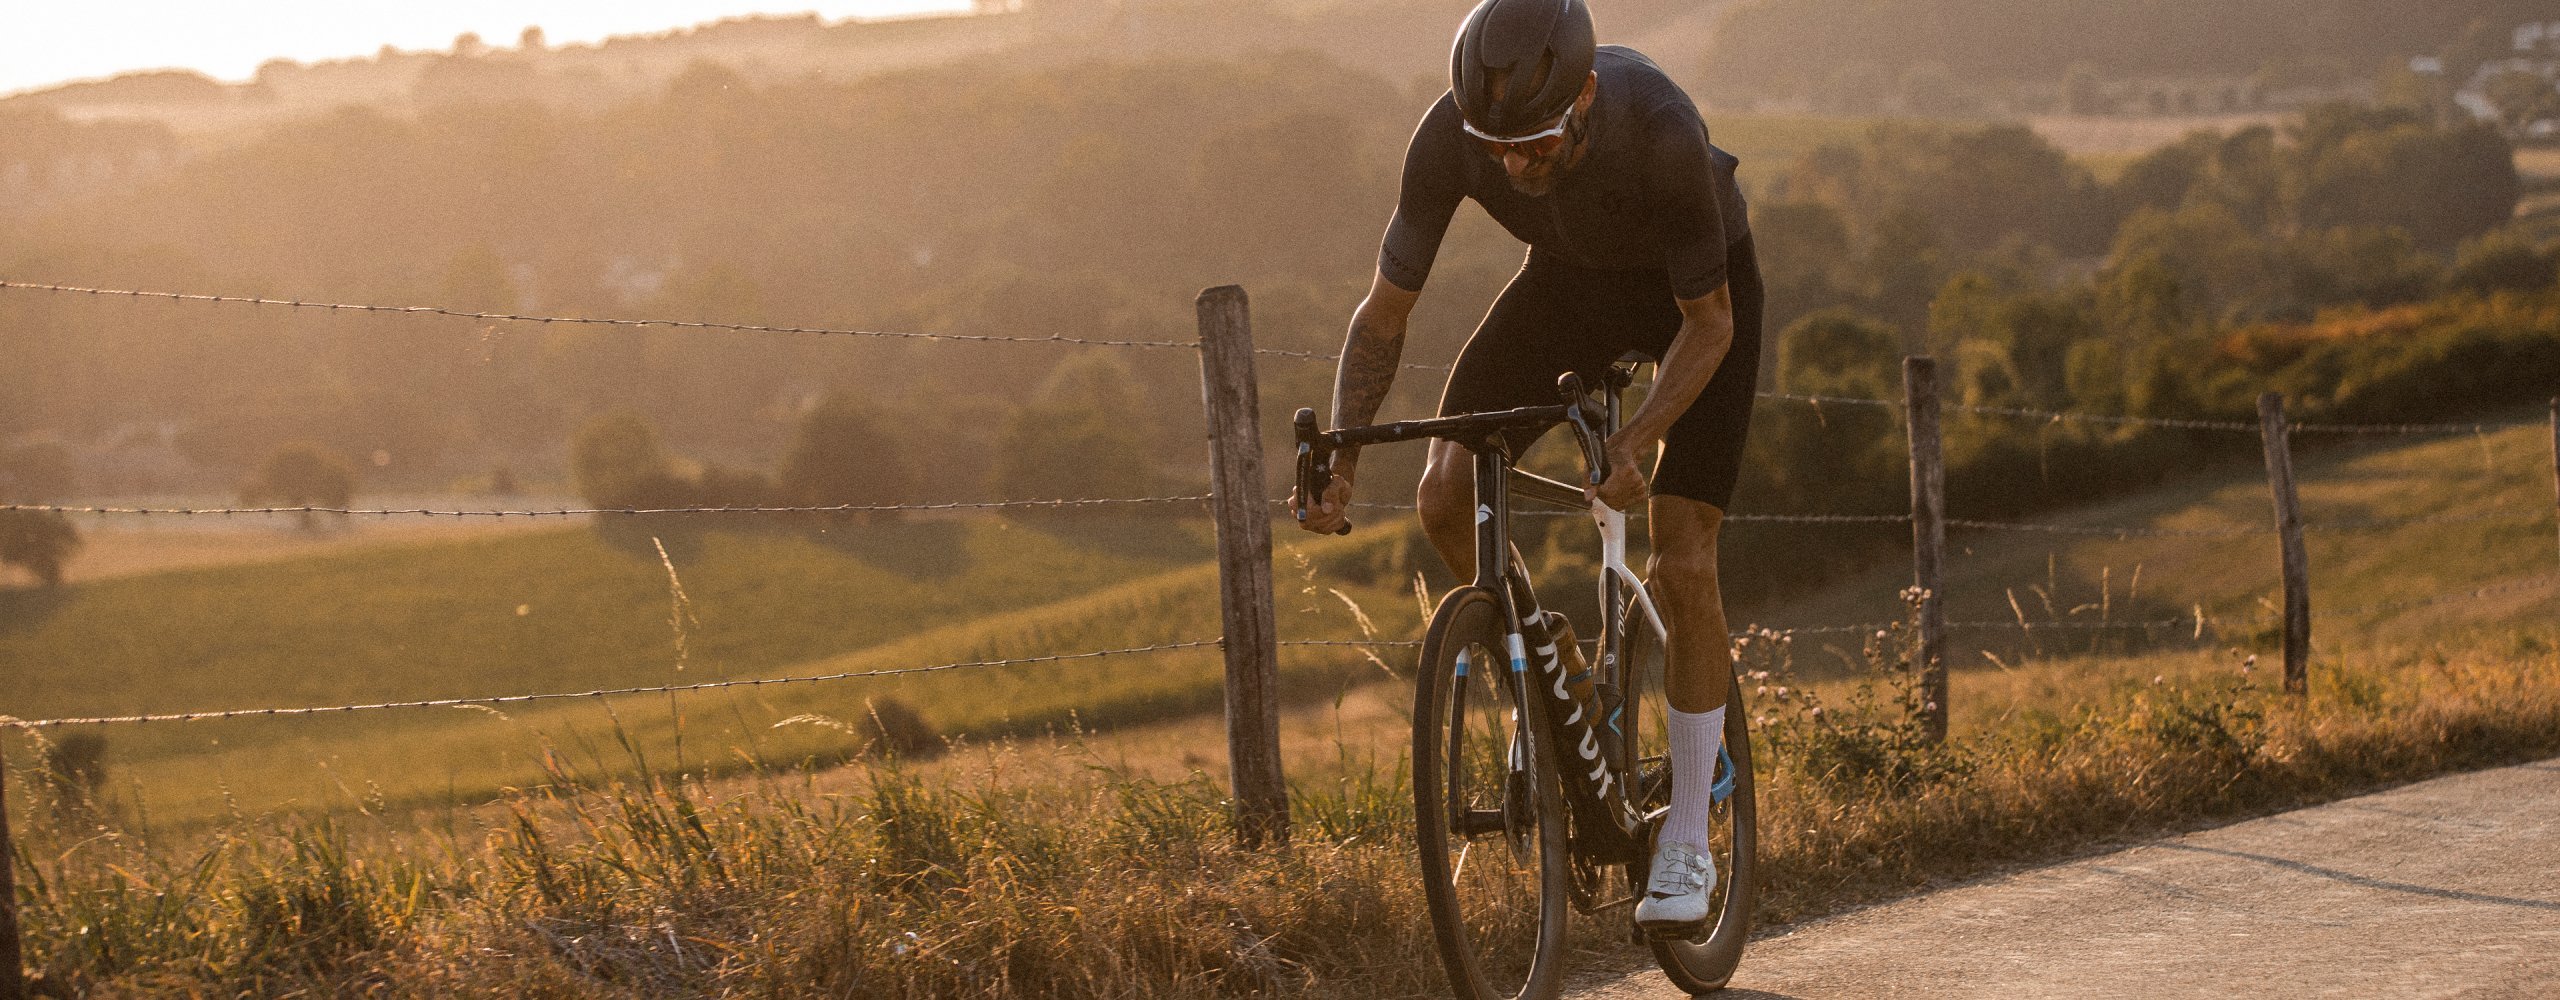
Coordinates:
<point>1599,794</point>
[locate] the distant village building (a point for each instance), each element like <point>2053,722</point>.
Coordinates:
<point>2538,36</point>
<point>68,160</point>
<point>2535,53</point>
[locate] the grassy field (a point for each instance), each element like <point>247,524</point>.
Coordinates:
<point>1102,865</point>
<point>2503,478</point>
<point>564,611</point>
<point>1041,871</point>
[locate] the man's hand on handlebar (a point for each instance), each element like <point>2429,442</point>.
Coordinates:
<point>1625,485</point>
<point>1330,513</point>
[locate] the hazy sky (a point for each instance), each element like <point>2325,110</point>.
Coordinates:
<point>50,41</point>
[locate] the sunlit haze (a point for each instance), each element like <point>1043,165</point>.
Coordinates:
<point>51,43</point>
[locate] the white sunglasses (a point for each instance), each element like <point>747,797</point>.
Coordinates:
<point>1510,142</point>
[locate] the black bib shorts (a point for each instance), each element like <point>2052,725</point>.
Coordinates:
<point>1557,317</point>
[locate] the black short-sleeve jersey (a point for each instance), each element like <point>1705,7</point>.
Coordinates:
<point>1652,192</point>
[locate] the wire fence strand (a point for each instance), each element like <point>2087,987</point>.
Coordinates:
<point>2031,626</point>
<point>2474,427</point>
<point>1638,514</point>
<point>584,511</point>
<point>350,307</point>
<point>2056,416</point>
<point>516,699</point>
<point>2197,623</point>
<point>1278,352</point>
<point>2243,426</point>
<point>2337,527</point>
<point>2107,531</point>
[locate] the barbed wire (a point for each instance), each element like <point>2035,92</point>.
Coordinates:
<point>1868,627</point>
<point>1313,356</point>
<point>1819,400</point>
<point>1637,514</point>
<point>2336,527</point>
<point>1820,518</point>
<point>2244,426</point>
<point>515,699</point>
<point>2310,527</point>
<point>2477,593</point>
<point>2117,532</point>
<point>1797,397</point>
<point>2474,427</point>
<point>2030,626</point>
<point>583,320</point>
<point>577,512</point>
<point>2056,416</point>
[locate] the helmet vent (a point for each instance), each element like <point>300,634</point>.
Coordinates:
<point>1537,80</point>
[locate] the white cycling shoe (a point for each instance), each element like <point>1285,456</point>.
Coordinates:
<point>1675,897</point>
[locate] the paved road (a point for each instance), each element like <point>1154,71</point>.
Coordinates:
<point>2444,889</point>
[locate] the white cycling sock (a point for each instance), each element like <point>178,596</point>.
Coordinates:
<point>1695,738</point>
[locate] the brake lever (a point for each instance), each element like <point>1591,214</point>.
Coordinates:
<point>1315,468</point>
<point>1578,411</point>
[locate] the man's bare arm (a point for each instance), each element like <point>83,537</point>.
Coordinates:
<point>1370,354</point>
<point>1706,334</point>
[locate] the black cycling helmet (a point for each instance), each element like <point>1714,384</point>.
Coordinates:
<point>1545,45</point>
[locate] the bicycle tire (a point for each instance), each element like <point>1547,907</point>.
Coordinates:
<point>1705,964</point>
<point>1492,839</point>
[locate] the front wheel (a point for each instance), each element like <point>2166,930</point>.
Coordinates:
<point>1488,811</point>
<point>1706,963</point>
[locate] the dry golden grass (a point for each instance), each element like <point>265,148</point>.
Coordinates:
<point>1049,870</point>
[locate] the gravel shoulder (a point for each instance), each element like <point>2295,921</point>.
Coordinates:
<point>2448,888</point>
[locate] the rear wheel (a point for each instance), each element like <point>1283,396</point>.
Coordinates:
<point>1705,963</point>
<point>1488,811</point>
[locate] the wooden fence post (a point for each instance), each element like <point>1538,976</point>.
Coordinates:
<point>1928,535</point>
<point>13,983</point>
<point>1244,566</point>
<point>2555,453</point>
<point>2276,435</point>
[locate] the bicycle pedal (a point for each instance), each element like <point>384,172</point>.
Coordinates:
<point>1685,933</point>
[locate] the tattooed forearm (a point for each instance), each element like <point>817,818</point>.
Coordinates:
<point>1369,357</point>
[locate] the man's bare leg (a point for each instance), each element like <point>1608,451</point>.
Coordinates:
<point>1682,571</point>
<point>1683,579</point>
<point>1447,498</point>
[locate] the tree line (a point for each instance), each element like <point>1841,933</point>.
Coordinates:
<point>1799,48</point>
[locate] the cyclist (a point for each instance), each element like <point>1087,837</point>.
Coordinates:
<point>1638,241</point>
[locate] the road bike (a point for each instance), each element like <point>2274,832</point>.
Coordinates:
<point>1539,787</point>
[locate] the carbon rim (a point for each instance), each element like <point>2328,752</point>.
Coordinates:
<point>1491,834</point>
<point>1707,961</point>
